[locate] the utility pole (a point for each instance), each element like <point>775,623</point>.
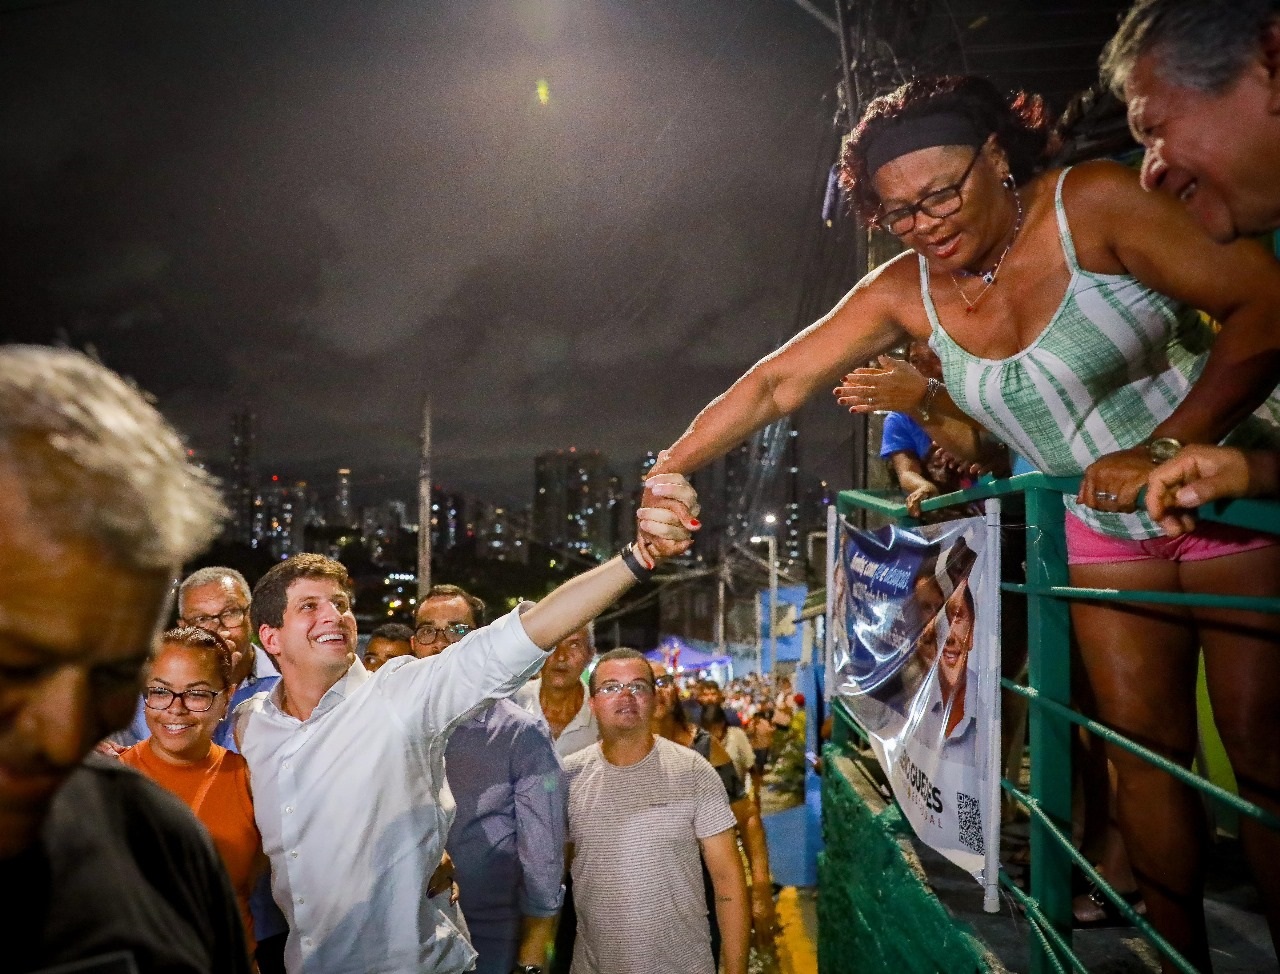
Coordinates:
<point>424,506</point>
<point>720,586</point>
<point>772,542</point>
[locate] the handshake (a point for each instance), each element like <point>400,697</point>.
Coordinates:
<point>666,519</point>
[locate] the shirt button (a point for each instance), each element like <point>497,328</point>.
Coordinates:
<point>301,901</point>
<point>285,765</point>
<point>288,809</point>
<point>308,942</point>
<point>294,854</point>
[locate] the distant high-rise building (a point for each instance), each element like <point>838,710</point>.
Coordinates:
<point>572,502</point>
<point>501,533</point>
<point>449,527</point>
<point>737,485</point>
<point>790,543</point>
<point>243,483</point>
<point>344,514</point>
<point>280,518</point>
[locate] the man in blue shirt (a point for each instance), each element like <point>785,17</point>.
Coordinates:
<point>508,833</point>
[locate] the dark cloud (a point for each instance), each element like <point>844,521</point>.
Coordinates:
<point>328,212</point>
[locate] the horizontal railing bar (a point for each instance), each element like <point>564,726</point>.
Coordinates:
<point>1217,792</point>
<point>1250,513</point>
<point>1244,603</point>
<point>1133,916</point>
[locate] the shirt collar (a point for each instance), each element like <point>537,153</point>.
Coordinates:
<point>355,677</point>
<point>262,666</point>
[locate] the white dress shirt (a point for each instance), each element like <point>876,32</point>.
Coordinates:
<point>353,806</point>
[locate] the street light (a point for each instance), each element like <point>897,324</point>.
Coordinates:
<point>772,542</point>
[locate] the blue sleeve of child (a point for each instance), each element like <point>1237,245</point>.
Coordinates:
<point>904,434</point>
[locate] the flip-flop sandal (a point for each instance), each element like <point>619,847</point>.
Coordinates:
<point>1111,915</point>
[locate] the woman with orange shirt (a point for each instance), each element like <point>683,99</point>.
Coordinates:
<point>188,685</point>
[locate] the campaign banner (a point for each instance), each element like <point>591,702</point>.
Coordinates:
<point>914,653</point>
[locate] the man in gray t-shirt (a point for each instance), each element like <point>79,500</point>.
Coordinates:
<point>642,810</point>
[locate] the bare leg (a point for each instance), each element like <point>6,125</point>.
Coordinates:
<point>1242,667</point>
<point>1141,662</point>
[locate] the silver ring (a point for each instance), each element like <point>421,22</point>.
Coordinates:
<point>1104,495</point>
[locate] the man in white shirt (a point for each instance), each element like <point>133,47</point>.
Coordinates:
<point>347,767</point>
<point>558,696</point>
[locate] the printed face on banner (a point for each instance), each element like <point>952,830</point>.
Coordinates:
<point>920,611</point>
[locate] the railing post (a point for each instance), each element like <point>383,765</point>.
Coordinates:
<point>1049,671</point>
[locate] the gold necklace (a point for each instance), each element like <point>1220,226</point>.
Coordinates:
<point>991,276</point>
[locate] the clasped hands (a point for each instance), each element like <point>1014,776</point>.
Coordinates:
<point>667,518</point>
<point>897,386</point>
<point>1198,474</point>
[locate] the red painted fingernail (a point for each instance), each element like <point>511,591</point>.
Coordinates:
<point>694,522</point>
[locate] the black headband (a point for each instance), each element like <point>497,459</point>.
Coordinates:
<point>910,134</point>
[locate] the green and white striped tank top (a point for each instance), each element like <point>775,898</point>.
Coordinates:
<point>1111,365</point>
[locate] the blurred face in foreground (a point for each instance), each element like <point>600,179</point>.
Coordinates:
<point>75,631</point>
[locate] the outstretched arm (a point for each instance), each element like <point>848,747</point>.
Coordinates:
<point>860,327</point>
<point>581,599</point>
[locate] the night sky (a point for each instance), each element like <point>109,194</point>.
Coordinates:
<point>326,211</point>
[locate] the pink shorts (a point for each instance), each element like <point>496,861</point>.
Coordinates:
<point>1086,546</point>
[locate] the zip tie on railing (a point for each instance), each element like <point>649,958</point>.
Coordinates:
<point>1049,937</point>
<point>1246,603</point>
<point>1133,916</point>
<point>1217,792</point>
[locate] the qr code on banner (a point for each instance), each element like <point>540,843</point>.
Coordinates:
<point>970,822</point>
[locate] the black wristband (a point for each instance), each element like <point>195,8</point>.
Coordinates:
<point>634,565</point>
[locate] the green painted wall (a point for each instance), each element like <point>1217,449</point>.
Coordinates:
<point>876,915</point>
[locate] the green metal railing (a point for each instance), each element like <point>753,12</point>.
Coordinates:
<point>1047,905</point>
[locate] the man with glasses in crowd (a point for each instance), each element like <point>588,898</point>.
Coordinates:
<point>508,832</point>
<point>643,813</point>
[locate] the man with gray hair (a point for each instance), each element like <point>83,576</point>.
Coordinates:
<point>99,509</point>
<point>1202,82</point>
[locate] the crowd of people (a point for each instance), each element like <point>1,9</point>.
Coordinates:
<point>439,806</point>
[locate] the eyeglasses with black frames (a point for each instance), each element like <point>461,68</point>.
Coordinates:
<point>451,633</point>
<point>939,203</point>
<point>636,688</point>
<point>197,701</point>
<point>226,619</point>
